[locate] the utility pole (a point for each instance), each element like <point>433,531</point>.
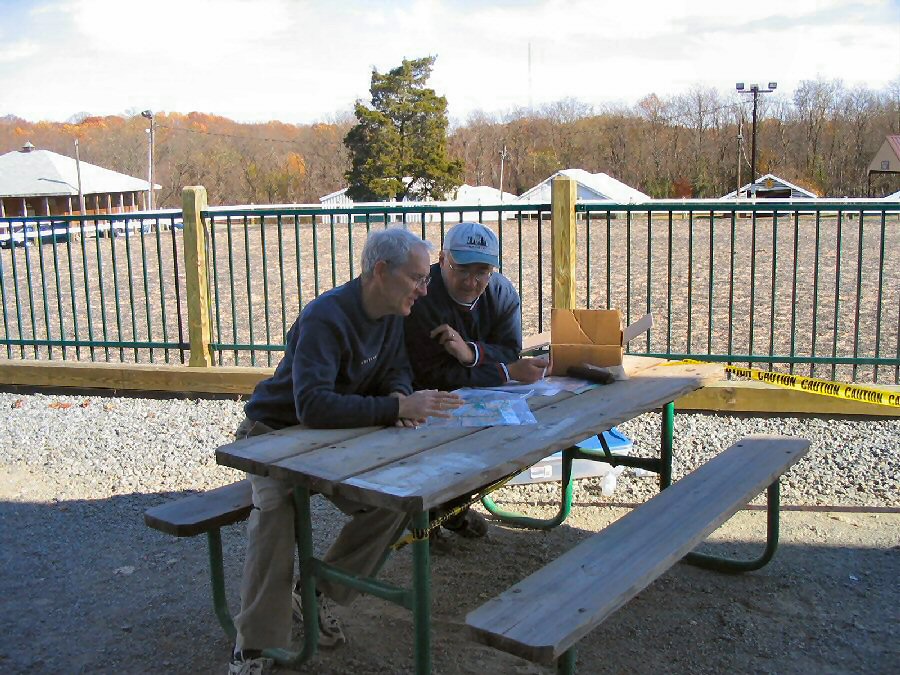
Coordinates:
<point>755,91</point>
<point>149,115</point>
<point>503,156</point>
<point>78,171</point>
<point>740,139</point>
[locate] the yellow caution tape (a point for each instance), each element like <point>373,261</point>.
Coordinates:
<point>419,535</point>
<point>811,385</point>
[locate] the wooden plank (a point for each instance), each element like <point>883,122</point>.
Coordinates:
<point>548,612</point>
<point>132,376</point>
<point>740,396</point>
<point>257,453</point>
<point>202,512</point>
<point>725,396</point>
<point>433,476</point>
<point>533,342</point>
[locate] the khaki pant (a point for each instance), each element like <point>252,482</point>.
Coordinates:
<point>265,618</point>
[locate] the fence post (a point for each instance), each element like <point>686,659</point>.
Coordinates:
<point>562,248</point>
<point>193,201</point>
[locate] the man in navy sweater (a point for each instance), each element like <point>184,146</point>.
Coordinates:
<point>344,365</point>
<point>467,332</point>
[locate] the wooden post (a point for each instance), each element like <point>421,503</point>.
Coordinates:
<point>193,201</point>
<point>563,194</point>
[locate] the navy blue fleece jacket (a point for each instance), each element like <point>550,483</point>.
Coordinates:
<point>339,367</point>
<point>493,323</point>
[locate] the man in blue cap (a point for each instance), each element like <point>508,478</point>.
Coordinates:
<point>467,331</point>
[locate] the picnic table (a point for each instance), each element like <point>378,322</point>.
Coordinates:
<point>414,470</point>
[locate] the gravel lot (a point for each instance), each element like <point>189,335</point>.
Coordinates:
<point>88,588</point>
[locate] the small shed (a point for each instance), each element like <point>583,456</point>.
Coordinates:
<point>885,161</point>
<point>771,186</point>
<point>43,183</point>
<point>591,186</point>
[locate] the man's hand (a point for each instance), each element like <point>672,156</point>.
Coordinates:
<point>427,403</point>
<point>528,370</point>
<point>454,344</point>
<point>401,422</point>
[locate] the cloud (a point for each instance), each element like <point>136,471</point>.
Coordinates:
<point>302,61</point>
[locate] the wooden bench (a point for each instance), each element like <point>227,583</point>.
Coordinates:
<point>542,617</point>
<point>207,512</point>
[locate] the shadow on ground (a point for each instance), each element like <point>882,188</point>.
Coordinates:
<point>88,588</point>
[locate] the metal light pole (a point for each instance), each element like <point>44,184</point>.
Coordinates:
<point>756,91</point>
<point>149,115</point>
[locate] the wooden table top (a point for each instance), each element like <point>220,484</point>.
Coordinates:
<point>416,469</point>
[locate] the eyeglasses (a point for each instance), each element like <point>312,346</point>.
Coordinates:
<point>420,280</point>
<point>477,277</point>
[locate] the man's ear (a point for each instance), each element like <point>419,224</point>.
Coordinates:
<point>441,258</point>
<point>382,267</point>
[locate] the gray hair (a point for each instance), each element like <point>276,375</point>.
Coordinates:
<point>392,245</point>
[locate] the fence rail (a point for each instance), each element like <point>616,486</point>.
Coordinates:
<point>812,286</point>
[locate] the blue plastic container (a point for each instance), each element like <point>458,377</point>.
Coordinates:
<point>550,468</point>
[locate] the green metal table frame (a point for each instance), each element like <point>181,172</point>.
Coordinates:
<point>418,598</point>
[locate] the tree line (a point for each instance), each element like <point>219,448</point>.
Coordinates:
<point>821,136</point>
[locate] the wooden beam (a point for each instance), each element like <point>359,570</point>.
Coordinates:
<point>563,194</point>
<point>193,201</point>
<point>133,377</point>
<point>725,396</point>
<point>758,397</point>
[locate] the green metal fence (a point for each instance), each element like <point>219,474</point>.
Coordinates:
<point>98,287</point>
<point>783,286</point>
<point>773,285</point>
<point>266,264</point>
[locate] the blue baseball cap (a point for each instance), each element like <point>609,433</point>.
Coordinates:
<point>472,243</point>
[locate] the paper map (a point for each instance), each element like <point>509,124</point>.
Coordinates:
<point>487,408</point>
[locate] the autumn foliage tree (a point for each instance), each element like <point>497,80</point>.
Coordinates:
<point>398,147</point>
<point>820,136</point>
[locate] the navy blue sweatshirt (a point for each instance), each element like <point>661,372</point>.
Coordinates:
<point>338,368</point>
<point>494,324</point>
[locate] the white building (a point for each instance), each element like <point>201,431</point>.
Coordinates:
<point>590,186</point>
<point>43,183</point>
<point>771,186</point>
<point>464,196</point>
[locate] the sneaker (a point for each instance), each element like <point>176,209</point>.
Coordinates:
<point>438,542</point>
<point>469,524</point>
<point>249,662</point>
<point>331,633</point>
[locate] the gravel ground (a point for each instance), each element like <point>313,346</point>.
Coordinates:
<point>88,588</point>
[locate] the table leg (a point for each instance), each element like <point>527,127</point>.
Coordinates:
<point>727,565</point>
<point>422,596</point>
<point>665,453</point>
<point>217,576</point>
<point>303,535</point>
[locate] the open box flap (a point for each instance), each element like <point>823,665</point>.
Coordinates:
<point>586,326</point>
<point>639,327</point>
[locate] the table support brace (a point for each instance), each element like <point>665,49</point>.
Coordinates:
<point>661,465</point>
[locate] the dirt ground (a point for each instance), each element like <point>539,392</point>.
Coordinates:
<point>88,588</point>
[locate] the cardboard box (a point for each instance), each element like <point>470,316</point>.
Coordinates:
<point>591,336</point>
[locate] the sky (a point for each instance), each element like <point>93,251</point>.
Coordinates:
<point>303,61</point>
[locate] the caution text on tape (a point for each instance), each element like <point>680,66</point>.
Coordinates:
<point>811,385</point>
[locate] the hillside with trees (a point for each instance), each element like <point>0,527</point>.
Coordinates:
<point>820,136</point>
